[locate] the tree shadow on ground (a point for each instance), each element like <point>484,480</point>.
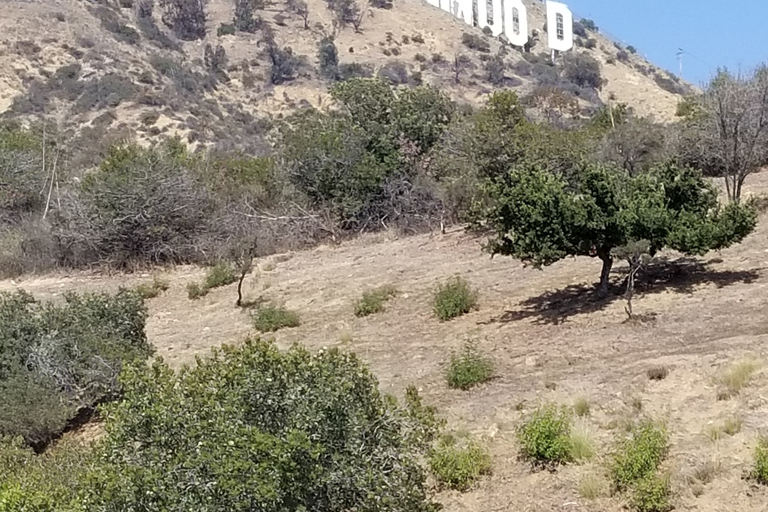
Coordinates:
<point>681,275</point>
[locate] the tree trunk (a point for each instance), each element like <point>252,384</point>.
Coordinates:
<point>605,256</point>
<point>239,302</point>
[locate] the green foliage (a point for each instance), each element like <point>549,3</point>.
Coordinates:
<point>631,49</point>
<point>195,291</point>
<point>328,55</point>
<point>21,172</point>
<point>652,493</point>
<point>186,18</point>
<point>56,358</point>
<point>581,407</point>
<point>760,468</point>
<point>268,430</point>
<point>476,42</point>
<point>454,298</point>
<point>285,64</point>
<point>352,162</point>
<point>589,24</point>
<point>373,301</point>
<point>271,318</point>
<point>458,465</point>
<point>469,368</point>
<point>540,217</point>
<point>220,274</point>
<point>152,289</point>
<point>639,455</point>
<point>122,212</point>
<point>226,29</point>
<point>583,70</point>
<point>244,20</point>
<point>545,437</point>
<point>39,483</point>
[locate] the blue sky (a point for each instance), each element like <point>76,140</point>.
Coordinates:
<point>735,36</point>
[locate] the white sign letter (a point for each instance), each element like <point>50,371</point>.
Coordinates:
<point>496,25</point>
<point>516,22</point>
<point>559,26</point>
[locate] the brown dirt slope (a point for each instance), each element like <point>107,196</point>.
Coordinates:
<point>40,37</point>
<point>549,340</point>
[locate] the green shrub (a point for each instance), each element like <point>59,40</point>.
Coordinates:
<point>639,455</point>
<point>545,438</point>
<point>267,430</point>
<point>226,29</point>
<point>153,289</point>
<point>219,275</point>
<point>271,318</point>
<point>458,466</point>
<point>652,493</point>
<point>581,407</point>
<point>454,298</point>
<point>195,291</point>
<point>760,469</point>
<point>40,483</point>
<point>475,42</point>
<point>373,301</point>
<point>58,357</point>
<point>469,368</point>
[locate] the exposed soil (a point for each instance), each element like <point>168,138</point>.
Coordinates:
<point>551,341</point>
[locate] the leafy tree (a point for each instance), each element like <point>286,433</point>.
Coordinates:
<point>588,24</point>
<point>328,55</point>
<point>185,17</point>
<point>263,430</point>
<point>301,8</point>
<point>494,68</point>
<point>634,145</point>
<point>541,217</point>
<point>583,70</point>
<point>726,132</point>
<point>244,20</point>
<point>285,65</point>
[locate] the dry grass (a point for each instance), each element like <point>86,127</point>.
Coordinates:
<point>537,325</point>
<point>658,373</point>
<point>591,486</point>
<point>581,407</point>
<point>582,444</point>
<point>738,375</point>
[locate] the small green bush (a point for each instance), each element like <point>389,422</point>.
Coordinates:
<point>458,466</point>
<point>581,407</point>
<point>454,298</point>
<point>271,318</point>
<point>652,493</point>
<point>373,301</point>
<point>639,455</point>
<point>195,291</point>
<point>545,438</point>
<point>219,275</point>
<point>760,469</point>
<point>469,368</point>
<point>153,289</point>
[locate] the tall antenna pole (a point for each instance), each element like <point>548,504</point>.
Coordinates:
<point>680,61</point>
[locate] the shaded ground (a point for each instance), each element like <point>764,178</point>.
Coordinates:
<point>550,340</point>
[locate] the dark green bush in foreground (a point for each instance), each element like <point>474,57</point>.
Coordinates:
<point>265,430</point>
<point>58,357</point>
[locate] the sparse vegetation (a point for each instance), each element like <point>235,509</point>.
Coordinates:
<point>738,375</point>
<point>658,373</point>
<point>454,298</point>
<point>582,446</point>
<point>469,368</point>
<point>545,437</point>
<point>373,301</point>
<point>272,318</point>
<point>591,486</point>
<point>152,289</point>
<point>457,464</point>
<point>581,407</point>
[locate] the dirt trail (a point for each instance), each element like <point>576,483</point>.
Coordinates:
<point>550,342</point>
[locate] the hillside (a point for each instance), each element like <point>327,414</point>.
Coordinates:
<point>99,68</point>
<point>550,342</point>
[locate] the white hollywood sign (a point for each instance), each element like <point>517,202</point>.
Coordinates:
<point>510,17</point>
